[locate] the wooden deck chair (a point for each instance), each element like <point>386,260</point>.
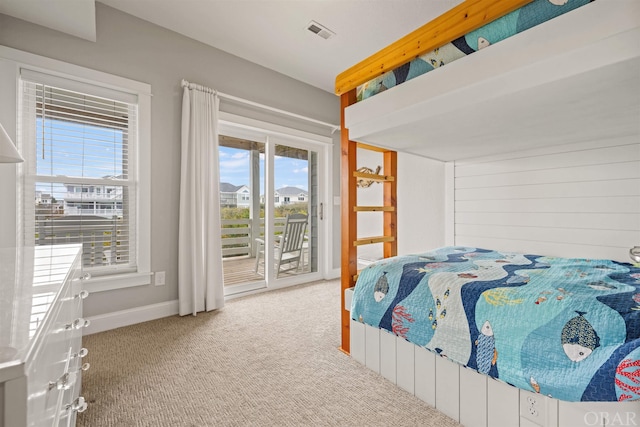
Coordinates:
<point>288,247</point>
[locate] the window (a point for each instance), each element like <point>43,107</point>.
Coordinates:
<point>80,140</point>
<point>82,181</point>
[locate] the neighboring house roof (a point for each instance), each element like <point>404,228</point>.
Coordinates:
<point>291,191</point>
<point>225,187</point>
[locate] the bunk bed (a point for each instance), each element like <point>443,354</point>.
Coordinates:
<point>587,62</point>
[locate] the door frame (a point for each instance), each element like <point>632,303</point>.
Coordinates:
<point>275,134</point>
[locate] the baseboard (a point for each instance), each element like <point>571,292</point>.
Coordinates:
<point>118,319</point>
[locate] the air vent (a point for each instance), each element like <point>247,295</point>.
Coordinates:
<point>320,30</point>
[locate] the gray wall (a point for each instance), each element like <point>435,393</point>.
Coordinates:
<point>138,50</point>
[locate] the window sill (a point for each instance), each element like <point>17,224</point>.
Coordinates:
<point>117,281</point>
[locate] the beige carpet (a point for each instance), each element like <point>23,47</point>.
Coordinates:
<point>266,359</point>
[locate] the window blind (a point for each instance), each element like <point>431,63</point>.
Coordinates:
<point>79,143</point>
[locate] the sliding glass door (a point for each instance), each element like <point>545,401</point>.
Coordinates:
<point>272,204</point>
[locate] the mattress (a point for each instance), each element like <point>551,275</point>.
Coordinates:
<point>566,328</point>
<point>530,15</point>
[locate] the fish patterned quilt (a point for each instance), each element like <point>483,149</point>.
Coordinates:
<point>530,15</point>
<point>566,328</point>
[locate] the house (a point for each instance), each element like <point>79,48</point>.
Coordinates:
<point>288,195</point>
<point>234,196</point>
<point>98,200</point>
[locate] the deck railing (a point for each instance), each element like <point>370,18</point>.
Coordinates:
<point>238,238</point>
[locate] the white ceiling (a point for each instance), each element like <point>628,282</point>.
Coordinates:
<point>272,33</point>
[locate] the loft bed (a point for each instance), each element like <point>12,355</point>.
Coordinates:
<point>574,75</point>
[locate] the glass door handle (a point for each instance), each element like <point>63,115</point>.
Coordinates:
<point>321,211</point>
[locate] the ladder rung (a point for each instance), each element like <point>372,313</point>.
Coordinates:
<point>372,240</point>
<point>372,147</point>
<point>374,177</point>
<point>374,208</point>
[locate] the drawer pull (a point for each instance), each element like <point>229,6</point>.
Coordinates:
<point>85,276</point>
<point>78,405</point>
<point>82,353</point>
<point>63,383</point>
<point>83,294</point>
<point>79,323</point>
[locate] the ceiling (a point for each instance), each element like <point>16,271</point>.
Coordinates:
<point>271,33</point>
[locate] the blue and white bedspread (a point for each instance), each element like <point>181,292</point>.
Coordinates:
<point>568,328</point>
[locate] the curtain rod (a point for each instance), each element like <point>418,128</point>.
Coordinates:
<point>255,104</point>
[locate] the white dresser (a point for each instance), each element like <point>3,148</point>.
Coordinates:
<point>41,336</point>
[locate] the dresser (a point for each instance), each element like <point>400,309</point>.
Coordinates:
<point>41,354</point>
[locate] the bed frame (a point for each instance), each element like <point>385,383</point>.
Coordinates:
<point>461,393</point>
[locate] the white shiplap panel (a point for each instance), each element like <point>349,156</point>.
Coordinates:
<point>568,250</point>
<point>425,372</point>
<point>357,340</point>
<point>473,398</point>
<point>612,221</point>
<point>525,161</point>
<point>621,204</point>
<point>502,404</point>
<point>372,348</point>
<point>579,203</point>
<point>448,387</point>
<point>593,189</point>
<point>388,355</point>
<point>405,369</point>
<point>612,141</point>
<point>611,238</point>
<point>621,171</point>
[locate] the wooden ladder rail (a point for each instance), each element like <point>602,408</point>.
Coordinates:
<point>349,210</point>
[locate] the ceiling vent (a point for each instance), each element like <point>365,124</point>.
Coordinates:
<point>320,30</point>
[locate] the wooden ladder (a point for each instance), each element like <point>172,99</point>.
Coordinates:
<point>349,210</point>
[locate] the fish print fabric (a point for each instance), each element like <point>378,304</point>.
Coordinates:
<point>566,328</point>
<point>513,23</point>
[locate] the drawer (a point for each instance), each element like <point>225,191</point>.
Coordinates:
<point>53,377</point>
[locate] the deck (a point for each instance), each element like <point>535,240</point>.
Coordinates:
<point>238,270</point>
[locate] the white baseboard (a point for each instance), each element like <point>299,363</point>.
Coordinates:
<point>118,319</point>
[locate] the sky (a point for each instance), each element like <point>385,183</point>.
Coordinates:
<point>234,169</point>
<point>65,146</point>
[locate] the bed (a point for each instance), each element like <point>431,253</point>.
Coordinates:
<point>565,328</point>
<point>573,78</point>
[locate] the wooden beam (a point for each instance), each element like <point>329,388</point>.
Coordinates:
<point>462,19</point>
<point>371,147</point>
<point>389,195</point>
<point>373,176</point>
<point>373,208</point>
<point>373,240</point>
<point>349,262</point>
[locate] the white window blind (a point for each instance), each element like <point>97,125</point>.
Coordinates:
<point>79,142</point>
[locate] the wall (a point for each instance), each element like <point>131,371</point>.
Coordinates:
<point>138,50</point>
<point>576,200</point>
<point>420,204</point>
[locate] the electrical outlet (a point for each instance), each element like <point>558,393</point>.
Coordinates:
<point>533,406</point>
<point>159,278</point>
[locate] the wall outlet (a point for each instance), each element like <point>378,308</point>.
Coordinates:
<point>533,407</point>
<point>159,278</point>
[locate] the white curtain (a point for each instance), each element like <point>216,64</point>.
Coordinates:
<point>200,278</point>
